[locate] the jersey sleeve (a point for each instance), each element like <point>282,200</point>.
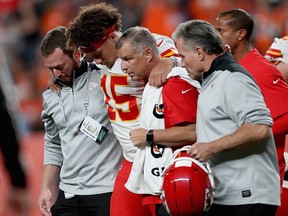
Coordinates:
<point>278,51</point>
<point>180,102</point>
<point>166,46</point>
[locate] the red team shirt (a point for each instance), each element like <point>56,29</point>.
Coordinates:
<point>275,92</point>
<point>180,106</point>
<point>271,82</point>
<point>180,102</point>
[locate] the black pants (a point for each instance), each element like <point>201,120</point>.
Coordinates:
<point>161,210</point>
<point>242,210</point>
<point>82,205</point>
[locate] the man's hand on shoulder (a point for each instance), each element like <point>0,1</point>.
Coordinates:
<point>159,73</point>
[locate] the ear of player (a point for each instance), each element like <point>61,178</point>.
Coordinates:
<point>188,185</point>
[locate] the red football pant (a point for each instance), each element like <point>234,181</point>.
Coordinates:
<point>124,202</point>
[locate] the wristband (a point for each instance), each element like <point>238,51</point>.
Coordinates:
<point>149,137</point>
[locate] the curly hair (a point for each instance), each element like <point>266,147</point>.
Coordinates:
<point>92,23</point>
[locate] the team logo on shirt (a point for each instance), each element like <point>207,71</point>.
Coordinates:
<point>158,111</point>
<point>157,150</point>
<point>212,86</point>
<point>92,85</point>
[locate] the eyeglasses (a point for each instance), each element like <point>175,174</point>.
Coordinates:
<point>97,44</point>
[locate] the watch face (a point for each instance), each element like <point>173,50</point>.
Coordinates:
<point>149,137</point>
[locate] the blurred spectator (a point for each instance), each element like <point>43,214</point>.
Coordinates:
<point>131,10</point>
<point>28,15</point>
<point>163,16</point>
<point>59,13</point>
<point>269,17</point>
<point>18,198</point>
<point>208,9</point>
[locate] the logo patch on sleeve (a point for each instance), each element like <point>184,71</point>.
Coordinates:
<point>246,193</point>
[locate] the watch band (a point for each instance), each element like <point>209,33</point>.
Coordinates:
<point>175,61</point>
<point>149,137</point>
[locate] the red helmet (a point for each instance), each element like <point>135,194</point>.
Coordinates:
<point>188,186</point>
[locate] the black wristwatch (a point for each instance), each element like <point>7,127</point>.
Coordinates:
<point>149,137</point>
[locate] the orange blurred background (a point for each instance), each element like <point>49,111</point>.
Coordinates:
<point>24,22</point>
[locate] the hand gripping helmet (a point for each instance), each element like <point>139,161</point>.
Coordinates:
<point>188,186</point>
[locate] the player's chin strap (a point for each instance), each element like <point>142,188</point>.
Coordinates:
<point>204,165</point>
